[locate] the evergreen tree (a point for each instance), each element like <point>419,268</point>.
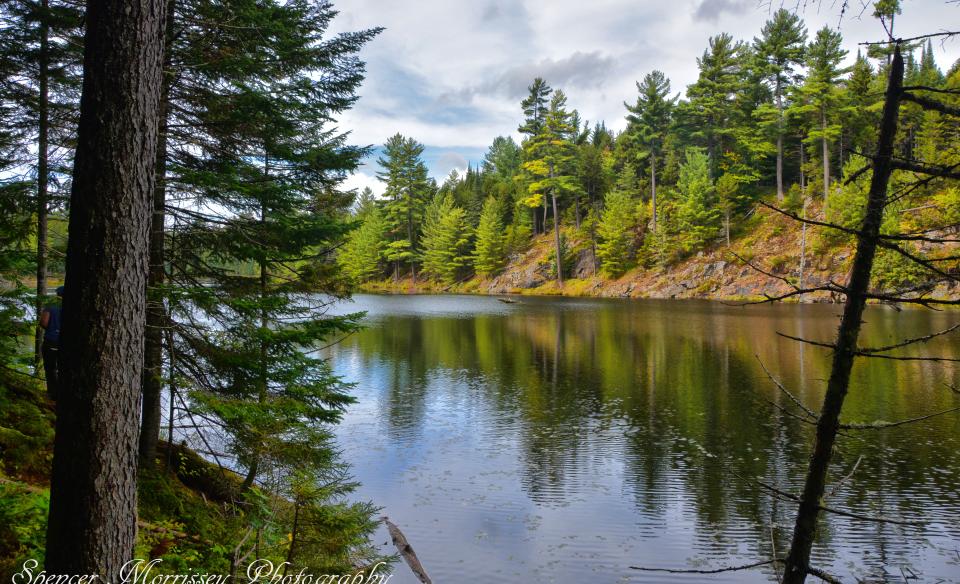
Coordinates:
<point>711,109</point>
<point>490,251</point>
<point>615,230</point>
<point>40,49</point>
<point>408,190</point>
<point>363,251</point>
<point>697,213</point>
<point>550,160</point>
<point>273,167</point>
<point>92,524</point>
<point>861,122</point>
<point>445,239</point>
<point>535,107</point>
<point>780,49</point>
<point>820,95</point>
<point>502,159</point>
<point>649,121</point>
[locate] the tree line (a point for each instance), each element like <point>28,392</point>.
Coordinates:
<point>779,118</point>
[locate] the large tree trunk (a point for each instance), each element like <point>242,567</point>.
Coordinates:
<point>93,489</point>
<point>156,313</point>
<point>798,560</point>
<point>43,171</point>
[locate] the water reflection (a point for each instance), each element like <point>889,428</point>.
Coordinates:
<point>567,439</point>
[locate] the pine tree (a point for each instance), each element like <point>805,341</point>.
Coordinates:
<point>271,165</point>
<point>92,523</point>
<point>861,123</point>
<point>649,121</point>
<point>535,112</point>
<point>445,239</point>
<point>697,214</point>
<point>490,252</point>
<point>780,49</point>
<point>40,46</point>
<point>408,190</point>
<point>820,97</point>
<point>711,109</point>
<point>615,231</point>
<point>363,251</point>
<point>550,160</point>
<point>502,159</point>
<point>535,107</point>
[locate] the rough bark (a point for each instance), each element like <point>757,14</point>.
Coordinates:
<point>93,495</point>
<point>798,560</point>
<point>43,171</point>
<point>156,314</point>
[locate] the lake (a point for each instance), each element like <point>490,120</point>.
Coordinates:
<point>564,440</point>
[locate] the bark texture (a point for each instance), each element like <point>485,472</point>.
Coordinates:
<point>798,560</point>
<point>93,495</point>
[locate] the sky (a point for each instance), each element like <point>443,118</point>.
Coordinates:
<point>451,73</point>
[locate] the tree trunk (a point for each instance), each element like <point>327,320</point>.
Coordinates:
<point>826,156</point>
<point>156,314</point>
<point>779,142</point>
<point>556,237</point>
<point>545,213</point>
<point>798,560</point>
<point>653,188</point>
<point>43,171</point>
<point>413,262</point>
<point>93,490</point>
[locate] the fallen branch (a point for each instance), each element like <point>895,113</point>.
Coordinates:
<point>406,550</point>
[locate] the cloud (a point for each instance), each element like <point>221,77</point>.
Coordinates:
<point>576,70</point>
<point>450,161</point>
<point>712,10</point>
<point>452,74</point>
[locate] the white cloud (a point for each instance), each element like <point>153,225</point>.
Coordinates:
<point>452,73</point>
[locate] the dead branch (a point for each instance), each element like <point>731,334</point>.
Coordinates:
<point>792,397</point>
<point>883,425</point>
<point>927,169</point>
<point>712,571</point>
<point>836,487</point>
<point>930,104</point>
<point>807,341</point>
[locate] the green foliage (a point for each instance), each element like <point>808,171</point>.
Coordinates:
<point>23,526</point>
<point>445,239</point>
<point>615,229</point>
<point>408,190</point>
<point>248,338</point>
<point>360,258</point>
<point>697,213</point>
<point>489,254</point>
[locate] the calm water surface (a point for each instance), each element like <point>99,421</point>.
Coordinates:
<point>562,440</point>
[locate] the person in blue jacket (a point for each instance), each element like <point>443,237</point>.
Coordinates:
<point>50,322</point>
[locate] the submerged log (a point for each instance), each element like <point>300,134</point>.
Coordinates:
<point>406,550</point>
